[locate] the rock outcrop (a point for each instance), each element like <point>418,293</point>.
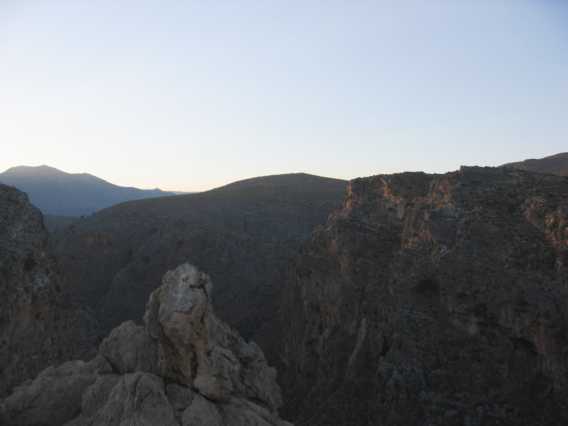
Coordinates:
<point>433,300</point>
<point>184,367</point>
<point>37,326</point>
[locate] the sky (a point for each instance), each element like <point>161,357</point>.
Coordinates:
<point>189,95</point>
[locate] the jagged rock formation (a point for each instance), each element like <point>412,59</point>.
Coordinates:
<point>554,164</point>
<point>243,235</point>
<point>433,300</point>
<point>37,326</point>
<point>185,367</point>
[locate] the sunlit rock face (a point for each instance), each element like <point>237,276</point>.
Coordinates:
<point>37,327</point>
<point>433,300</point>
<point>184,367</point>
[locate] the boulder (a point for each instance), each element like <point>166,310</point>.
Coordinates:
<point>137,399</point>
<point>128,349</point>
<point>202,412</point>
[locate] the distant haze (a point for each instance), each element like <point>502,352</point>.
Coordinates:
<point>187,96</point>
<point>58,193</point>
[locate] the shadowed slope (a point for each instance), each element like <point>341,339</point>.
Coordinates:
<point>555,164</point>
<point>242,234</point>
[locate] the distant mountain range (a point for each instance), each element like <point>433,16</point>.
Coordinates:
<point>554,164</point>
<point>59,193</point>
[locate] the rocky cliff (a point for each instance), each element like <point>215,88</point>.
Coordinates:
<point>433,300</point>
<point>37,326</point>
<point>184,367</point>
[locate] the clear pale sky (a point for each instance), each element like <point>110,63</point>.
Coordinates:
<point>188,95</point>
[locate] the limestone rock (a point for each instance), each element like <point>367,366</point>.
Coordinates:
<point>38,327</point>
<point>53,397</point>
<point>240,412</point>
<point>213,376</point>
<point>137,399</point>
<point>95,397</point>
<point>180,398</point>
<point>202,412</point>
<point>197,349</point>
<point>177,317</point>
<point>128,349</point>
<point>433,300</point>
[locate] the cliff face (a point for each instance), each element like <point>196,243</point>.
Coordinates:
<point>433,299</point>
<point>185,367</point>
<point>37,327</point>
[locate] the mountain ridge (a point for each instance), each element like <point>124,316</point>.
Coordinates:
<point>59,193</point>
<point>556,164</point>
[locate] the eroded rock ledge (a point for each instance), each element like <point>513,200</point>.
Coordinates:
<point>184,367</point>
<point>433,300</point>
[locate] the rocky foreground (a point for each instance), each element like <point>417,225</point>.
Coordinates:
<point>433,300</point>
<point>183,367</point>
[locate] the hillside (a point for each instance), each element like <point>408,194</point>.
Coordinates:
<point>58,223</point>
<point>242,234</point>
<point>58,193</point>
<point>432,300</point>
<point>555,164</point>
